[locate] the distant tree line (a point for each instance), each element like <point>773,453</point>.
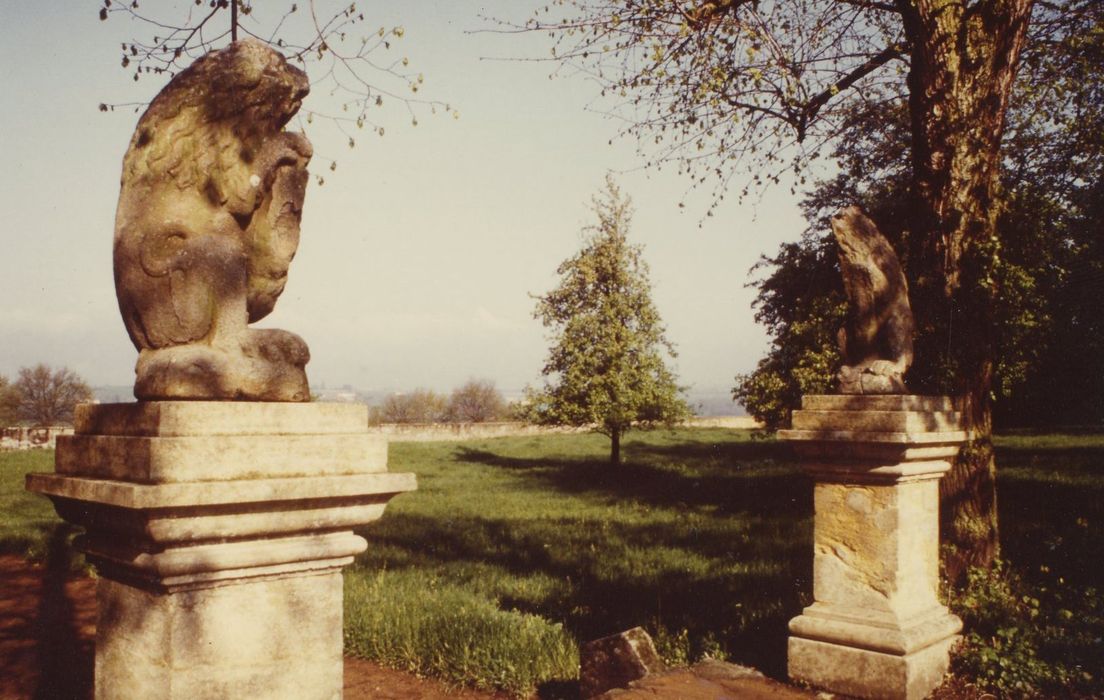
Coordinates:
<point>41,396</point>
<point>477,401</point>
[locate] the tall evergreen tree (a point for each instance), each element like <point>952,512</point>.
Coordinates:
<point>606,366</point>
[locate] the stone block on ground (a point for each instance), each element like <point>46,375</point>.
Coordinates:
<point>616,661</point>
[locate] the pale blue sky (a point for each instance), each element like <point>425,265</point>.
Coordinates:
<point>419,253</point>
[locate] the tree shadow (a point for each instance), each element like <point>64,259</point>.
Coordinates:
<point>1051,507</point>
<point>752,478</point>
<point>65,660</point>
<point>734,578</point>
<point>44,611</point>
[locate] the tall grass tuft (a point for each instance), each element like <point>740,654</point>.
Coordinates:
<point>406,621</point>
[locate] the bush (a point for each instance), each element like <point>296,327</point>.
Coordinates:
<point>1022,641</point>
<point>419,406</point>
<point>476,402</point>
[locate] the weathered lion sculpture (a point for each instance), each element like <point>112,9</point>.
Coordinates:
<point>207,225</point>
<point>876,341</point>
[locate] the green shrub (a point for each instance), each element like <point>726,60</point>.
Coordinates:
<point>681,648</point>
<point>409,622</point>
<point>1021,640</point>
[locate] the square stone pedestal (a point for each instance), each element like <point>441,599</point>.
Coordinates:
<point>219,530</point>
<point>876,628</point>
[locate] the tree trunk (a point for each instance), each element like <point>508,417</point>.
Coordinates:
<point>615,447</point>
<point>963,63</point>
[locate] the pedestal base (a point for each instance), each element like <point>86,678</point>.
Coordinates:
<point>869,674</point>
<point>219,531</point>
<point>266,638</point>
<point>876,628</point>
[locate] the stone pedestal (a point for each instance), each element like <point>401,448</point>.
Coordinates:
<point>219,530</point>
<point>876,628</point>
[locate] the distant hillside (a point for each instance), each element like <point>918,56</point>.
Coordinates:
<point>714,403</point>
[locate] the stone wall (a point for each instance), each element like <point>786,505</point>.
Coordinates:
<point>437,432</point>
<point>20,438</point>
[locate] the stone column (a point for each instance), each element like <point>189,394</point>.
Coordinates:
<point>219,530</point>
<point>876,628</point>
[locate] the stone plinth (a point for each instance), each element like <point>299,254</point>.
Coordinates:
<point>219,530</point>
<point>876,628</point>
<point>616,661</point>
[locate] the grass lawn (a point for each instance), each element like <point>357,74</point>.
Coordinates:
<point>28,524</point>
<point>514,550</point>
<point>703,537</point>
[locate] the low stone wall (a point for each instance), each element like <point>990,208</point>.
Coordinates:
<point>442,432</point>
<point>20,438</point>
<point>734,422</point>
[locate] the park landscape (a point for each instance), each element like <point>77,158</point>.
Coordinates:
<point>936,320</point>
<point>516,549</point>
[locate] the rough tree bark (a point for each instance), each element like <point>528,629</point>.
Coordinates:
<point>963,62</point>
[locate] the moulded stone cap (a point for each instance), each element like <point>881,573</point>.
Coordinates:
<point>219,457</point>
<point>881,453</point>
<point>879,421</point>
<point>188,418</point>
<point>866,473</point>
<point>882,402</point>
<point>880,633</point>
<point>215,557</point>
<point>875,438</point>
<point>206,494</point>
<point>160,527</point>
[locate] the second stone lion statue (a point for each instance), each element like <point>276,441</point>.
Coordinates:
<point>876,341</point>
<point>207,224</point>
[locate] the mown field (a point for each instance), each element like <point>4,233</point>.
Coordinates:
<point>514,550</point>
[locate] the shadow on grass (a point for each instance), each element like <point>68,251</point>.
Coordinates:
<point>716,546</point>
<point>738,478</point>
<point>1051,430</point>
<point>742,599</point>
<point>42,653</point>
<point>65,663</point>
<point>1051,510</point>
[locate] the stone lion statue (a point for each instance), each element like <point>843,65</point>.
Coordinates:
<point>207,224</point>
<point>876,341</point>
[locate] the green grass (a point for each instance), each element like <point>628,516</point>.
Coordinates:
<point>514,550</point>
<point>28,523</point>
<point>405,621</point>
<point>1037,623</point>
<point>703,537</point>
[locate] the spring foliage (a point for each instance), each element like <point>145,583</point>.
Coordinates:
<point>606,367</point>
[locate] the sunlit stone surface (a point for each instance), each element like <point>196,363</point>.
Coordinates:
<point>876,628</point>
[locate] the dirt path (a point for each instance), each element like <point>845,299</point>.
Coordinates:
<point>48,624</point>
